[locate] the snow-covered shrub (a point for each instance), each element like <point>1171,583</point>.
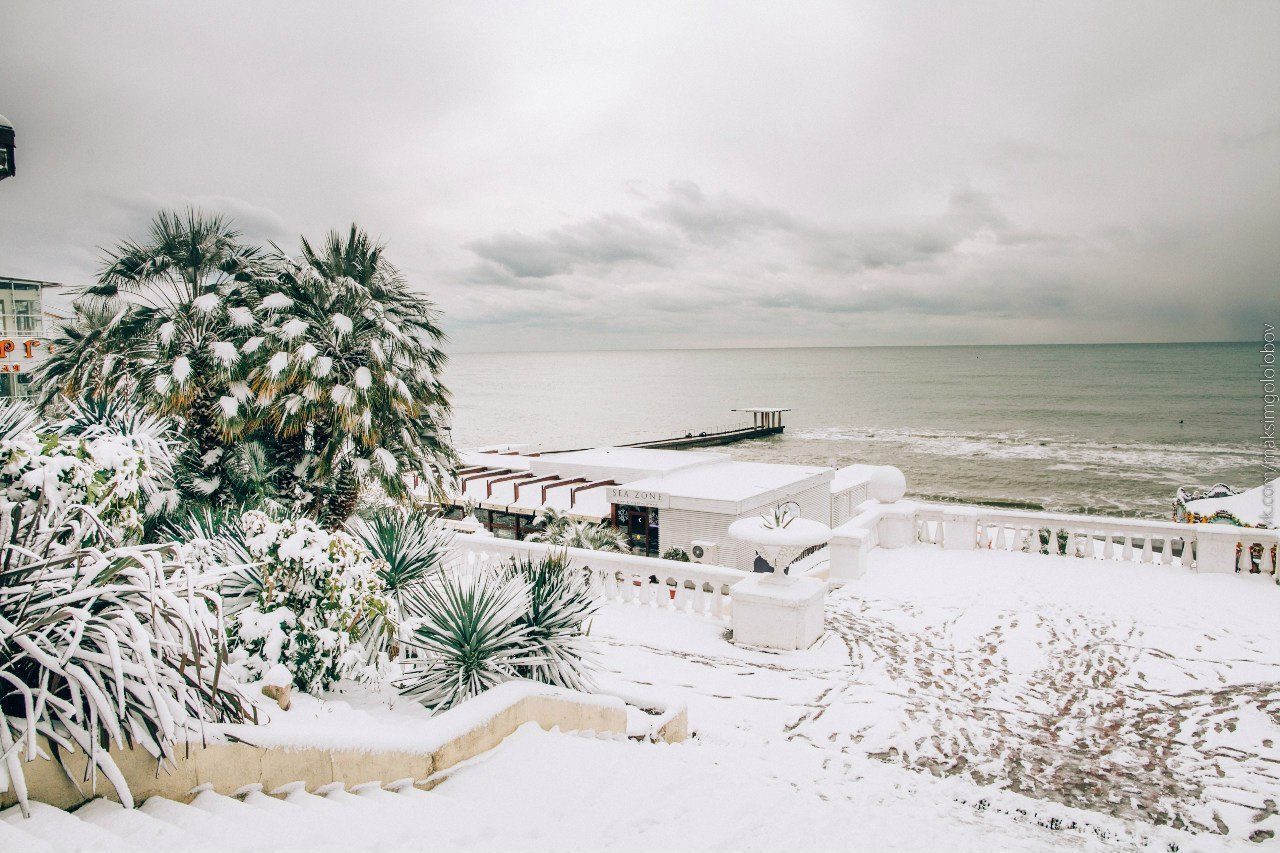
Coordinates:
<point>556,528</point>
<point>123,475</point>
<point>100,646</point>
<point>560,603</point>
<point>469,640</point>
<point>315,595</point>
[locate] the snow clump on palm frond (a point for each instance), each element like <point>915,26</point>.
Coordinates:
<point>317,593</point>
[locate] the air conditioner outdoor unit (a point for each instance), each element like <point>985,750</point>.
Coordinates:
<point>702,551</point>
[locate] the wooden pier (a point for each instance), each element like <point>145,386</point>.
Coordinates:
<point>764,422</point>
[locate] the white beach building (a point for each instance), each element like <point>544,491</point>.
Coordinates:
<point>661,499</point>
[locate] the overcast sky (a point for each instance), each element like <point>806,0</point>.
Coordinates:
<point>562,176</point>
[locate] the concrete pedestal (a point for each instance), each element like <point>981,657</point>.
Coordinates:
<point>960,528</point>
<point>778,614</point>
<point>1216,548</point>
<point>897,527</point>
<point>848,551</point>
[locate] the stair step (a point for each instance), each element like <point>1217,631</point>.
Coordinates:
<point>181,815</point>
<point>14,838</point>
<point>66,833</point>
<point>140,828</point>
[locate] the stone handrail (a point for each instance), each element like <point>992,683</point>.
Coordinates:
<point>667,584</point>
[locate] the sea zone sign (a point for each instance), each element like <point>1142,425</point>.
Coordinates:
<point>640,497</point>
<point>7,346</point>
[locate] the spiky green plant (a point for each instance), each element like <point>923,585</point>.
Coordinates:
<point>410,547</point>
<point>469,639</point>
<point>240,578</point>
<point>560,604</point>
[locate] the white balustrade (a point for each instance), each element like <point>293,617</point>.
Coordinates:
<point>648,581</point>
<point>1204,547</point>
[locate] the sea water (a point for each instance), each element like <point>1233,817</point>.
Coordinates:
<point>1077,428</point>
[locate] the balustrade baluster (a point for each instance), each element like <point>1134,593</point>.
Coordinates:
<point>1146,548</point>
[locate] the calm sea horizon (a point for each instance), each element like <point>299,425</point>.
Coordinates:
<point>1101,428</point>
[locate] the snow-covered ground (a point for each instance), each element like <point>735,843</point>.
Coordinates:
<point>960,700</point>
<point>1108,695</point>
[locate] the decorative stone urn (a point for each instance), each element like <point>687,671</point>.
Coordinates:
<point>773,609</point>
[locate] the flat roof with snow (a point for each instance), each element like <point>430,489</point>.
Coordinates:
<point>727,487</point>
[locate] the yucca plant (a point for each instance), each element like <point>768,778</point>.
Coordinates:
<point>409,548</point>
<point>470,639</point>
<point>101,646</point>
<point>239,577</point>
<point>560,603</point>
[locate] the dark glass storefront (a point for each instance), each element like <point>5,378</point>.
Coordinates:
<point>640,524</point>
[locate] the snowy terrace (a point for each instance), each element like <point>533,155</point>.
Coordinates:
<point>1084,670</point>
<point>973,700</point>
<point>1077,691</point>
<point>976,697</point>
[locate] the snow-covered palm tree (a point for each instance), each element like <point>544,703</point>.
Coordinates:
<point>349,369</point>
<point>164,327</point>
<point>557,528</point>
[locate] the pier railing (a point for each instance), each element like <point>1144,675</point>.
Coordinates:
<point>1201,547</point>
<point>647,581</point>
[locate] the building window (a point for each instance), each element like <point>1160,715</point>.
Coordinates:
<point>26,313</point>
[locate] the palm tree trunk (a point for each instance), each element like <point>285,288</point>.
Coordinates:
<point>339,502</point>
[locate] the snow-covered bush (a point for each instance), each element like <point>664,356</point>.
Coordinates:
<point>123,473</point>
<point>314,597</point>
<point>101,646</point>
<point>560,603</point>
<point>524,618</point>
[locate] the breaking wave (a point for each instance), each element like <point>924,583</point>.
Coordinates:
<point>1065,453</point>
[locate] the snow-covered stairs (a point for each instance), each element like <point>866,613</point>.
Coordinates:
<point>330,819</point>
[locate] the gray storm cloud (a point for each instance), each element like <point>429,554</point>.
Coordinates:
<point>588,175</point>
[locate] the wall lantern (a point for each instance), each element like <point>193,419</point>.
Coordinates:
<point>8,167</point>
